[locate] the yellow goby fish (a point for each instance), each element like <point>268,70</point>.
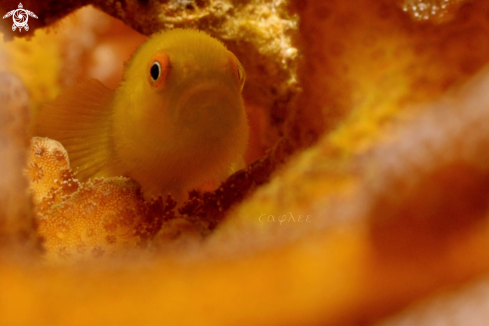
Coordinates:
<point>175,122</point>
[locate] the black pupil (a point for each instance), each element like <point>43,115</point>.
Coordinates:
<point>155,71</point>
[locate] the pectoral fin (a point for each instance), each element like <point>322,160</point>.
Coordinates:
<point>80,119</point>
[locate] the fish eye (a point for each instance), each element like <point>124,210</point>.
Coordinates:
<point>158,70</point>
<point>155,71</point>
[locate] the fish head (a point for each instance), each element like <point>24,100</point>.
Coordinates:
<point>185,83</point>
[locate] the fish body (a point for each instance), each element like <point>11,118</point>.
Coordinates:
<point>176,121</point>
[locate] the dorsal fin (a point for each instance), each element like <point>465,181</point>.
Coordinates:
<point>80,119</point>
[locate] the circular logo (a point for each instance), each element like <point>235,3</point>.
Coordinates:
<point>20,17</point>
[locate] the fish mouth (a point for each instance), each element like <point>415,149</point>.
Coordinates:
<point>208,109</point>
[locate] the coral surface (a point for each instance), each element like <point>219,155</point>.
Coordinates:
<point>434,10</point>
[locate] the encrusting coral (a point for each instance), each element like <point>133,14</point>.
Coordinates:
<point>388,206</point>
<point>434,10</point>
<point>101,217</point>
<point>48,169</point>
